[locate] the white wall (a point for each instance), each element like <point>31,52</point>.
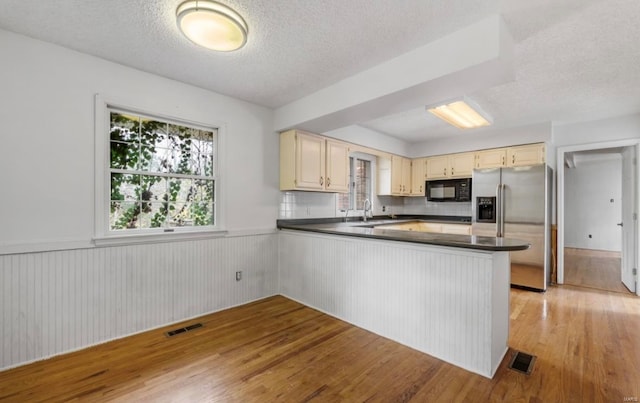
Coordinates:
<point>47,115</point>
<point>611,129</point>
<point>593,192</point>
<point>56,301</point>
<point>370,138</point>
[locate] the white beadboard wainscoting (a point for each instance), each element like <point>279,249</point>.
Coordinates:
<point>450,303</point>
<point>55,302</point>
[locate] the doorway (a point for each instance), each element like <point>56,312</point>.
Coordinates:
<point>593,212</point>
<point>596,197</point>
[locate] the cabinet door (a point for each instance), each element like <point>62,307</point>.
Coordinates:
<point>406,176</point>
<point>384,175</point>
<point>337,179</point>
<point>407,226</point>
<point>430,227</point>
<point>396,175</point>
<point>460,229</point>
<point>418,171</point>
<point>496,158</point>
<point>310,161</point>
<point>532,154</point>
<point>438,167</point>
<point>461,165</point>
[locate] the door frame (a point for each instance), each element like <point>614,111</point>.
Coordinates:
<point>560,192</point>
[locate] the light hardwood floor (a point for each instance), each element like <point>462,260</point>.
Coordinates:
<point>276,350</point>
<point>594,269</point>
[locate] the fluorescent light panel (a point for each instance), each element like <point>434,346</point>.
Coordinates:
<point>461,113</point>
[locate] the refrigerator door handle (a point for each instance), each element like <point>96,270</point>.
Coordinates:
<point>498,210</point>
<point>503,209</point>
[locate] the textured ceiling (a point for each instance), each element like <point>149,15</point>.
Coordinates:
<point>574,59</point>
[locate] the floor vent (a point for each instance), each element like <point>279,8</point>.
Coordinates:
<point>183,329</point>
<point>522,362</point>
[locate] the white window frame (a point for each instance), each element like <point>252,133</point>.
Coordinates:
<point>103,235</point>
<point>372,165</point>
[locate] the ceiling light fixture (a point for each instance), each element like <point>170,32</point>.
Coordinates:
<point>462,113</point>
<point>212,25</point>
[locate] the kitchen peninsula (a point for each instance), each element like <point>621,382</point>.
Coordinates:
<point>443,294</point>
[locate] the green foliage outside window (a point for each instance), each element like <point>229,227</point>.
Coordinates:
<point>161,174</point>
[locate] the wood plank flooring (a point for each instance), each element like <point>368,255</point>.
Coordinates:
<point>276,350</point>
<point>594,269</point>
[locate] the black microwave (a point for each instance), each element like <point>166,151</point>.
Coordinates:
<point>449,190</point>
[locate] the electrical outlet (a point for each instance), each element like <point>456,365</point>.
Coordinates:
<point>384,208</point>
<point>238,275</point>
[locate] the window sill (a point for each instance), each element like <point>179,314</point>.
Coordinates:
<point>136,239</point>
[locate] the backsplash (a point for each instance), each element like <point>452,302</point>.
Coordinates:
<point>307,205</point>
<point>322,205</point>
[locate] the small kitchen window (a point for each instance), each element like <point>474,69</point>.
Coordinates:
<point>360,184</point>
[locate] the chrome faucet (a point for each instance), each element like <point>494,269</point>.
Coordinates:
<point>367,208</point>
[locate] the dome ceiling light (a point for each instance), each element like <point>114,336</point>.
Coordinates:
<point>212,25</point>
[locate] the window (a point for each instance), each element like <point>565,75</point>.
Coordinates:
<point>360,181</point>
<point>162,174</point>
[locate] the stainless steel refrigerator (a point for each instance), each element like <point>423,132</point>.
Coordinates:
<point>516,203</point>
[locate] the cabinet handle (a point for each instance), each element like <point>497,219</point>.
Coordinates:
<point>444,172</point>
<point>513,159</point>
<point>328,181</point>
<point>452,171</point>
<point>503,160</point>
<point>420,188</point>
<point>321,181</point>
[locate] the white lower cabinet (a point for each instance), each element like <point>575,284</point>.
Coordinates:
<point>421,226</point>
<point>460,229</point>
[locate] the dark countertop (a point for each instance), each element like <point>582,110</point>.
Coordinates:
<point>386,218</point>
<point>367,230</point>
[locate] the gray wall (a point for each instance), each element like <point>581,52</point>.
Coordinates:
<point>590,188</point>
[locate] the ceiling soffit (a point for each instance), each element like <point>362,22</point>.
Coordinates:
<point>473,58</point>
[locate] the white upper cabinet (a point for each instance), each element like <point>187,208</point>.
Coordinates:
<point>461,165</point>
<point>394,175</point>
<point>337,166</point>
<point>450,166</point>
<point>316,163</point>
<point>418,176</point>
<point>495,158</point>
<point>532,154</point>
<point>406,177</point>
<point>438,167</point>
<point>311,162</point>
